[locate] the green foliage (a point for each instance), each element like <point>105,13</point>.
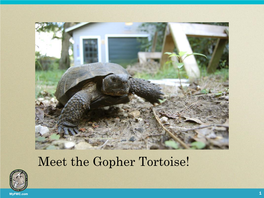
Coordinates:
<point>46,63</point>
<point>198,145</point>
<point>180,57</point>
<point>55,137</point>
<point>151,28</point>
<point>168,71</point>
<point>204,91</point>
<point>206,46</point>
<point>51,147</point>
<point>47,81</point>
<point>40,139</point>
<point>43,62</point>
<point>179,60</point>
<point>172,144</point>
<point>54,27</point>
<point>38,65</point>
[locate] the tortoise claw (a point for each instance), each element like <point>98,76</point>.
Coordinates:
<point>72,131</point>
<point>68,130</point>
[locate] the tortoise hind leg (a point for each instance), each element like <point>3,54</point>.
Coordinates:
<point>149,91</point>
<point>73,111</point>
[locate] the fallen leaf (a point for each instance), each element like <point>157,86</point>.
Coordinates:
<point>55,137</point>
<point>193,120</point>
<point>169,115</point>
<point>51,147</point>
<point>82,129</point>
<point>40,139</point>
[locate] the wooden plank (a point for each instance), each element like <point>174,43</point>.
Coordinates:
<point>227,31</point>
<point>218,51</point>
<point>202,30</point>
<point>155,38</point>
<point>168,46</point>
<point>183,45</point>
<point>143,56</point>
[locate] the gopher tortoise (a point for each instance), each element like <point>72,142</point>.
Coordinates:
<point>97,85</point>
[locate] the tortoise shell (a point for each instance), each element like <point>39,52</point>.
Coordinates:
<point>76,77</point>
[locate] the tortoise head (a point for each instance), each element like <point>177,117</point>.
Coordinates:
<point>116,85</point>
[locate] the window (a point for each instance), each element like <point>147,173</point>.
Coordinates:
<point>90,51</point>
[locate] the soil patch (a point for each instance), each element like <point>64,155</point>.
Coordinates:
<point>197,116</point>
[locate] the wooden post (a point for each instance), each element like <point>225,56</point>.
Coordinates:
<point>218,51</point>
<point>155,38</point>
<point>183,45</point>
<point>168,46</point>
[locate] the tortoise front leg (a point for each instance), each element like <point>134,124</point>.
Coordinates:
<point>149,91</point>
<point>73,111</point>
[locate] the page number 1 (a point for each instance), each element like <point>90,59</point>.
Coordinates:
<point>260,193</point>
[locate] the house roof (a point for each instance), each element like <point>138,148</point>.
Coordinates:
<point>71,29</point>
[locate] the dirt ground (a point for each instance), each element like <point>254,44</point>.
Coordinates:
<point>195,117</point>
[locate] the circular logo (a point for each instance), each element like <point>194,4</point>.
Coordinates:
<point>18,180</point>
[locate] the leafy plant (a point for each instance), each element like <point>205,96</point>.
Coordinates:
<point>178,62</point>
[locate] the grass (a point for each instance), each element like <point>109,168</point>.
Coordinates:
<point>168,71</point>
<point>47,81</point>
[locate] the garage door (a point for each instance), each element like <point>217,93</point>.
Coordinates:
<point>123,50</point>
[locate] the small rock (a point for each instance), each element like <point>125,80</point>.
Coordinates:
<point>40,99</point>
<point>53,100</point>
<point>125,115</point>
<point>46,102</point>
<point>59,143</point>
<point>134,114</point>
<point>125,106</point>
<point>69,145</point>
<point>132,139</point>
<point>83,146</point>
<point>117,120</point>
<point>164,119</point>
<point>141,100</point>
<point>154,147</point>
<point>37,128</point>
<point>43,130</point>
<point>106,108</point>
<point>71,138</point>
<point>139,119</point>
<point>139,129</point>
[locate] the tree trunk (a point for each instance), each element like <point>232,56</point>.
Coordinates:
<point>65,58</point>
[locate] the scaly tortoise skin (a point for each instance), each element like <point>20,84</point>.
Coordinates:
<point>97,85</point>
